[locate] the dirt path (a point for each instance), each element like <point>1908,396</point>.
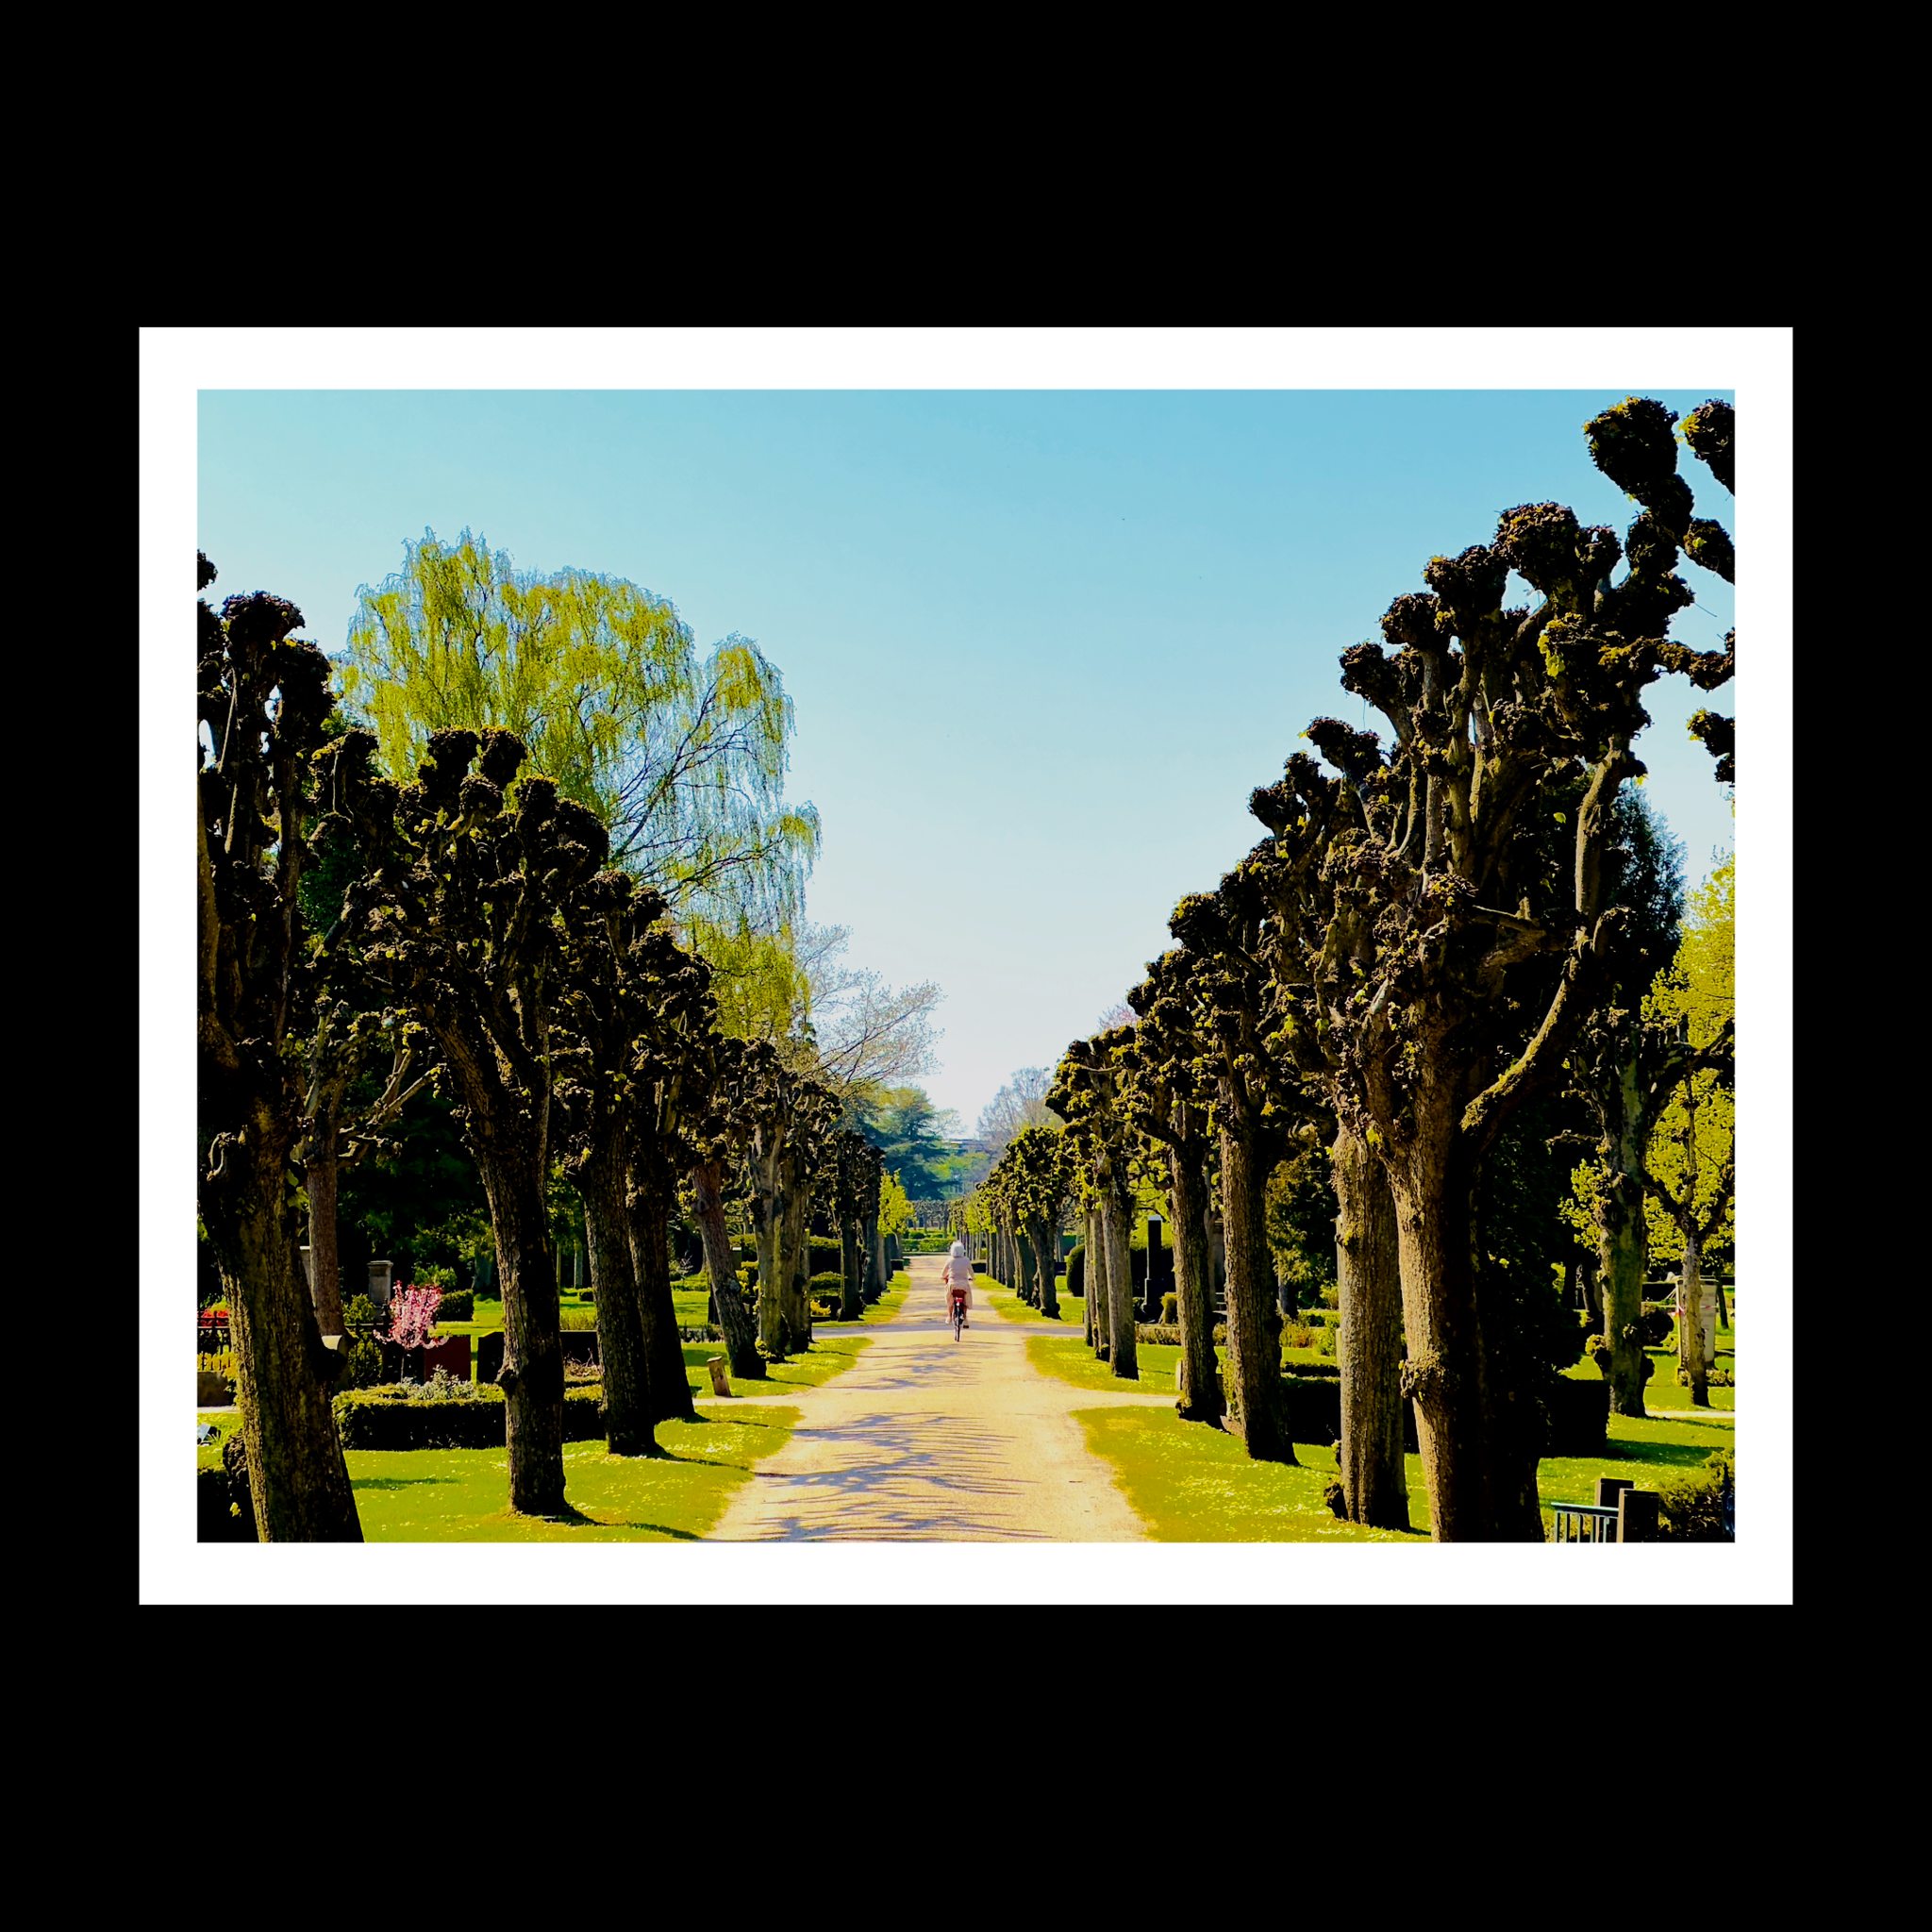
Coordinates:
<point>928,1439</point>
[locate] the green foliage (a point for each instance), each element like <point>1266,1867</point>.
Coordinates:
<point>360,1311</point>
<point>1701,1510</point>
<point>576,1321</point>
<point>1171,1309</point>
<point>458,1305</point>
<point>434,1274</point>
<point>681,753</point>
<point>395,1418</point>
<point>1076,1269</point>
<point>1301,1213</point>
<point>1693,1147</point>
<point>364,1368</point>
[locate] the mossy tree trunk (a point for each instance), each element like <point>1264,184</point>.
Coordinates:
<point>1622,1235</point>
<point>1254,1315</point>
<point>283,1377</point>
<point>1045,1246</point>
<point>721,1263</point>
<point>620,1327</point>
<point>532,1372</point>
<point>1201,1399</point>
<point>649,1204</point>
<point>1122,1350</point>
<point>1373,1483</point>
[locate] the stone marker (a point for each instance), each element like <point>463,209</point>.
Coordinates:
<point>1178,1373</point>
<point>1637,1516</point>
<point>1609,1486</point>
<point>381,1275</point>
<point>720,1382</point>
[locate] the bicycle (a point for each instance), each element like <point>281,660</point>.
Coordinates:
<point>958,1315</point>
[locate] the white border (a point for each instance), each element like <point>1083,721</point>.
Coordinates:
<point>1753,363</point>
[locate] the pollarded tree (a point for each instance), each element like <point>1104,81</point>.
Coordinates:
<point>1226,933</point>
<point>1164,1097</point>
<point>1041,1174</point>
<point>600,1002</point>
<point>1490,706</point>
<point>263,699</point>
<point>1085,1094</point>
<point>463,895</point>
<point>1313,951</point>
<point>717,1131</point>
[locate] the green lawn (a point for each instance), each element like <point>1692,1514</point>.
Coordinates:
<point>1196,1484</point>
<point>828,1356</point>
<point>887,1305</point>
<point>459,1495</point>
<point>1010,1308</point>
<point>1663,1390</point>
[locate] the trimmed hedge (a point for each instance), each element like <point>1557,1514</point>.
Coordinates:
<point>826,1257</point>
<point>458,1305</point>
<point>387,1419</point>
<point>1314,1410</point>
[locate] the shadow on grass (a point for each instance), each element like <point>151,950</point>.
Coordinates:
<point>398,1482</point>
<point>1673,1455</point>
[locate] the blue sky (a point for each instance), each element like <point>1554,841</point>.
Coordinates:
<point>1042,643</point>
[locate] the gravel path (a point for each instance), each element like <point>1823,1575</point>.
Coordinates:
<point>927,1439</point>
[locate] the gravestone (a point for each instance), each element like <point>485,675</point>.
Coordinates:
<point>1637,1516</point>
<point>1609,1487</point>
<point>720,1382</point>
<point>381,1278</point>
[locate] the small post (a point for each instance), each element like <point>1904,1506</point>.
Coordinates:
<point>1609,1487</point>
<point>1637,1516</point>
<point>720,1382</point>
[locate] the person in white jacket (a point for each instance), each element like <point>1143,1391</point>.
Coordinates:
<point>957,1278</point>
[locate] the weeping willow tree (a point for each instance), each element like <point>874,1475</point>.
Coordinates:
<point>682,753</point>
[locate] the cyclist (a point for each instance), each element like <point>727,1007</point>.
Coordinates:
<point>956,1276</point>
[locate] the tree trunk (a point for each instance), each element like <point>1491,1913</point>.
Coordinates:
<point>1446,1375</point>
<point>1694,1314</point>
<point>1093,1283</point>
<point>1724,1312</point>
<point>1122,1354</point>
<point>1045,1243</point>
<point>1254,1320</point>
<point>1373,1482</point>
<point>720,1264</point>
<point>532,1373</point>
<point>767,1220</point>
<point>284,1377</point>
<point>620,1327</point>
<point>321,1174</point>
<point>1200,1399</point>
<point>1592,1295</point>
<point>874,1257</point>
<point>852,1306</point>
<point>795,1258</point>
<point>1624,1245</point>
<point>650,1248</point>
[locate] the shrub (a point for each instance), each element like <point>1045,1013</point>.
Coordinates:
<point>1321,1372</point>
<point>1076,1269</point>
<point>1701,1510</point>
<point>1295,1334</point>
<point>1717,1378</point>
<point>1331,1296</point>
<point>392,1419</point>
<point>1220,1333</point>
<point>458,1305</point>
<point>436,1276</point>
<point>826,1257</point>
<point>1171,1309</point>
<point>574,1320</point>
<point>1598,1349</point>
<point>1658,1319</point>
<point>364,1368</point>
<point>361,1312</point>
<point>1328,1339</point>
<point>573,1372</point>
